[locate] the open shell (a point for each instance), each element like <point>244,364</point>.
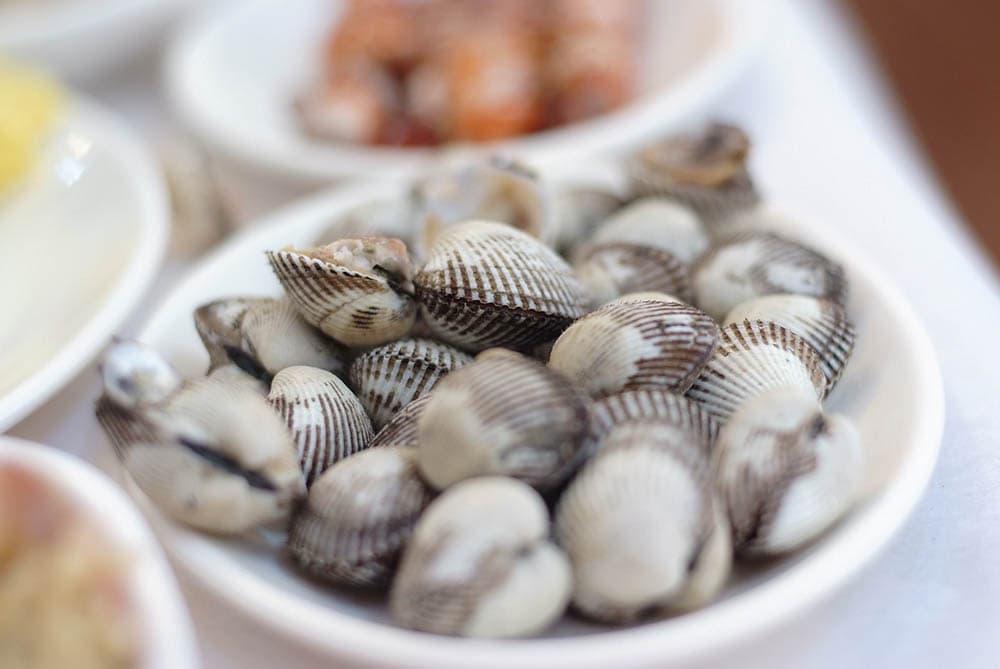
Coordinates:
<point>626,345</point>
<point>325,418</point>
<point>822,323</point>
<point>641,526</point>
<point>358,517</point>
<point>486,284</point>
<point>502,414</point>
<point>262,336</point>
<point>480,564</point>
<point>752,358</point>
<point>403,429</point>
<point>389,217</point>
<point>786,471</point>
<point>751,264</point>
<point>357,291</point>
<point>389,377</point>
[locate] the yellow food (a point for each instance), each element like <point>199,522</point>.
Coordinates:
<point>29,105</point>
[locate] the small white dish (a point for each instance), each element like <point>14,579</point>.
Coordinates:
<point>231,75</point>
<point>80,242</point>
<point>81,39</point>
<point>166,635</point>
<point>891,388</point>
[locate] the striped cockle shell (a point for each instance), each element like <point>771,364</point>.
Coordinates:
<point>667,408</point>
<point>390,376</point>
<point>486,284</point>
<point>233,375</point>
<point>357,291</point>
<point>578,211</point>
<point>785,471</point>
<point>822,323</point>
<point>403,429</point>
<point>358,517</point>
<point>636,344</point>
<point>613,269</point>
<point>210,454</point>
<point>506,414</point>
<point>496,189</point>
<point>751,264</point>
<point>262,336</point>
<point>480,564</point>
<point>705,171</point>
<point>387,217</point>
<point>658,223</point>
<point>754,357</point>
<point>327,421</point>
<point>641,526</point>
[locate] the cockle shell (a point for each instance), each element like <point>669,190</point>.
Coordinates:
<point>658,223</point>
<point>262,336</point>
<point>209,454</point>
<point>389,377</point>
<point>578,211</point>
<point>641,526</point>
<point>629,345</point>
<point>786,471</point>
<point>388,217</point>
<point>358,517</point>
<point>233,375</point>
<point>611,270</point>
<point>752,264</point>
<point>480,564</point>
<point>752,358</point>
<point>486,284</point>
<point>705,171</point>
<point>822,323</point>
<point>668,409</point>
<point>358,291</point>
<point>403,429</point>
<point>504,413</point>
<point>325,418</point>
<point>497,189</point>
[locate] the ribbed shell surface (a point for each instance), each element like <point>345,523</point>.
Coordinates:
<point>389,377</point>
<point>822,323</point>
<point>358,517</point>
<point>611,270</point>
<point>327,421</point>
<point>713,204</point>
<point>402,430</point>
<point>487,284</point>
<point>752,358</point>
<point>629,345</point>
<point>635,405</point>
<point>520,419</point>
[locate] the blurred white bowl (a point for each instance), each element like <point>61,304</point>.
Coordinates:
<point>232,75</point>
<point>166,635</point>
<point>81,40</point>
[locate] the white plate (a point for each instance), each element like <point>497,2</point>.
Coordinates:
<point>891,388</point>
<point>80,241</point>
<point>81,39</point>
<point>232,75</point>
<point>166,636</point>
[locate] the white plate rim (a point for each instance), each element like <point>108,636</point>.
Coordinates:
<point>151,580</point>
<point>130,285</point>
<point>745,27</point>
<point>695,635</point>
<point>71,20</point>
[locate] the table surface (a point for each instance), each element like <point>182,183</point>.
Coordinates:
<point>827,139</point>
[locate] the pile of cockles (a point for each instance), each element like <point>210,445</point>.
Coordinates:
<point>498,400</point>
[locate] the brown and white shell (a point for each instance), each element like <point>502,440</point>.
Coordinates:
<point>751,264</point>
<point>505,414</point>
<point>390,376</point>
<point>753,358</point>
<point>357,291</point>
<point>486,284</point>
<point>403,429</point>
<point>326,419</point>
<point>626,345</point>
<point>822,323</point>
<point>786,471</point>
<point>642,528</point>
<point>262,336</point>
<point>659,223</point>
<point>666,408</point>
<point>358,517</point>
<point>578,211</point>
<point>209,454</point>
<point>706,171</point>
<point>613,269</point>
<point>480,564</point>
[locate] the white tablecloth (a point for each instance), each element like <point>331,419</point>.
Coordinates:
<point>828,141</point>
